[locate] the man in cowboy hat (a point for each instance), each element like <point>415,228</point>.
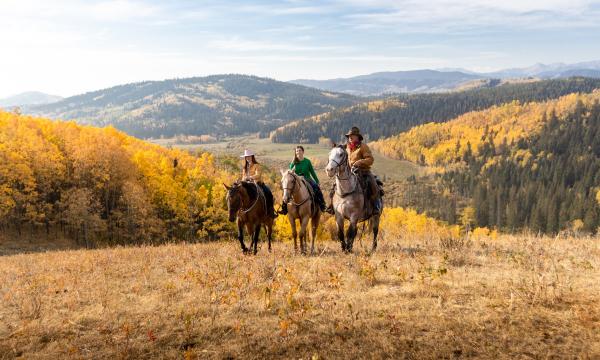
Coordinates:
<point>360,159</point>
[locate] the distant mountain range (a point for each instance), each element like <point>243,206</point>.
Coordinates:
<point>417,81</point>
<point>29,98</point>
<point>550,71</point>
<point>237,104</point>
<point>218,105</point>
<point>443,80</point>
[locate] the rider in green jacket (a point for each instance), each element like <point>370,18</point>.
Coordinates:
<point>303,167</point>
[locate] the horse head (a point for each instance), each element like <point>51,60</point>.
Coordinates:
<point>288,182</point>
<point>234,199</point>
<point>338,157</point>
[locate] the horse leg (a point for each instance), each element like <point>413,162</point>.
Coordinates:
<point>375,232</point>
<point>241,237</point>
<point>351,234</point>
<point>314,224</point>
<point>255,239</point>
<point>294,233</point>
<point>269,234</point>
<point>339,220</point>
<point>303,225</point>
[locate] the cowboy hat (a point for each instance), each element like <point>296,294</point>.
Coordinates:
<point>354,131</point>
<point>247,153</point>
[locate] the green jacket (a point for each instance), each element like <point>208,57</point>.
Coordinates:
<point>305,168</point>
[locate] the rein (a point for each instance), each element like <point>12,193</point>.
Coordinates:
<point>343,165</point>
<point>258,195</point>
<point>292,188</point>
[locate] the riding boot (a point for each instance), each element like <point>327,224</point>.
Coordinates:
<point>284,209</point>
<point>320,199</point>
<point>323,205</point>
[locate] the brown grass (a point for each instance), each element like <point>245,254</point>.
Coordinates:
<point>515,297</point>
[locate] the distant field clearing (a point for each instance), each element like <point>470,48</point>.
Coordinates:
<point>277,154</point>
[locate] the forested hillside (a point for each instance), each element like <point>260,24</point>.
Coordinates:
<point>216,105</point>
<point>534,166</point>
<point>389,117</point>
<point>102,186</point>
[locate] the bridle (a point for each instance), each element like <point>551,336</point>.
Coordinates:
<point>258,195</point>
<point>295,177</point>
<point>343,161</point>
<point>343,164</point>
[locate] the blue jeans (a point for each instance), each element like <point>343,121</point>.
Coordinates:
<point>318,193</point>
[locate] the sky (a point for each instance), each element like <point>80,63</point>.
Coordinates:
<point>67,47</point>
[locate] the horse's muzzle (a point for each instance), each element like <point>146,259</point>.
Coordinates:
<point>329,171</point>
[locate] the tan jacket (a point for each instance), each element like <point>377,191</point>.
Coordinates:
<point>254,172</point>
<point>360,157</point>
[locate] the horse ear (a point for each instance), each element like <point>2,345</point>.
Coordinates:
<point>333,144</point>
<point>227,187</point>
<point>282,171</point>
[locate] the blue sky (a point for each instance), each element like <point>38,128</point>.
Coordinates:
<point>72,46</point>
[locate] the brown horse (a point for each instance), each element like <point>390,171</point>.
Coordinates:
<point>300,206</point>
<point>247,202</point>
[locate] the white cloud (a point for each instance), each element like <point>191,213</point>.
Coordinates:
<point>285,10</point>
<point>517,6</point>
<point>442,15</point>
<point>238,44</point>
<point>124,10</point>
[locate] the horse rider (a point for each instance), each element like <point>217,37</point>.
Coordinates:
<point>360,160</point>
<point>303,167</point>
<point>252,172</point>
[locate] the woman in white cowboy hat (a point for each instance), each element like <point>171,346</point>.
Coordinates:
<point>251,171</point>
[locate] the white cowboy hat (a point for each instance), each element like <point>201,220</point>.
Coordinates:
<point>247,153</point>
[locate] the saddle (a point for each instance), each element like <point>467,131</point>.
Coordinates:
<point>371,189</point>
<point>311,193</point>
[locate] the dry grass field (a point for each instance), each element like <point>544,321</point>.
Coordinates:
<point>513,297</point>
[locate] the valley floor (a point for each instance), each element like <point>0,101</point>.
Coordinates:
<point>514,297</point>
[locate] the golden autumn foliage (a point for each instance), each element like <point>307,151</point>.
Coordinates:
<point>101,184</point>
<point>438,144</point>
<point>396,222</point>
<point>399,222</point>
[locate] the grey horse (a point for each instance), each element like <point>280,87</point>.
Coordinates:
<point>349,200</point>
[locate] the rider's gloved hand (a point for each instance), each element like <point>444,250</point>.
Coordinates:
<point>355,169</point>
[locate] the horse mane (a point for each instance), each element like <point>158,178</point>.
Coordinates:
<point>250,189</point>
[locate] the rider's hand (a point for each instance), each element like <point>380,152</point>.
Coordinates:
<point>354,169</point>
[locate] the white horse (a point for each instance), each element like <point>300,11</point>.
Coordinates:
<point>300,206</point>
<point>349,200</point>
